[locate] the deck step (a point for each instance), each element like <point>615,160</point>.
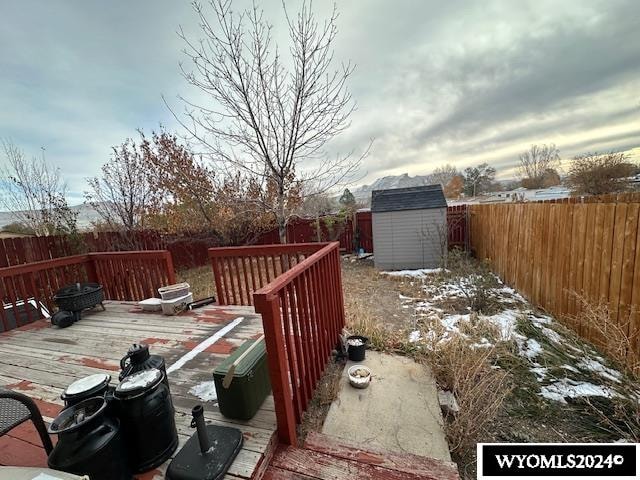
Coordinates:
<point>324,458</point>
<point>406,462</point>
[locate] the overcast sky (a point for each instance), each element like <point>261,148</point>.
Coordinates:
<point>435,82</point>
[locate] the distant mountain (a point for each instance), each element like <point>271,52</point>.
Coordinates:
<point>86,215</point>
<point>363,193</point>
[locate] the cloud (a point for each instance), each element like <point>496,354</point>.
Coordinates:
<point>436,82</point>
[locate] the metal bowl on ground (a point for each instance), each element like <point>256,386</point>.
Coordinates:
<point>79,296</point>
<point>359,376</point>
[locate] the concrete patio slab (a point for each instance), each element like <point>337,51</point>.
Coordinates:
<point>398,412</point>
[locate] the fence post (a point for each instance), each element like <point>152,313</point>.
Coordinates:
<point>269,308</point>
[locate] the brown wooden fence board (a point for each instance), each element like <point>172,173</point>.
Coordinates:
<point>551,251</point>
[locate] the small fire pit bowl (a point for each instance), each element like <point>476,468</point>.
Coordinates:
<point>79,296</point>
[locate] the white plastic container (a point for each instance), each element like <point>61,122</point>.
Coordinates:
<point>174,291</point>
<point>357,381</point>
<point>151,304</point>
<point>176,305</point>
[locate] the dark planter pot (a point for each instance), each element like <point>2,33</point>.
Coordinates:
<point>356,352</point>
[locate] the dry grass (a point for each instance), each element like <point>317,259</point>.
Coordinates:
<point>469,373</point>
<point>616,339</point>
<point>619,343</point>
<point>326,392</point>
<point>201,281</point>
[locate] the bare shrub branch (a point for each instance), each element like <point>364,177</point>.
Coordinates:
<point>598,174</point>
<point>35,193</point>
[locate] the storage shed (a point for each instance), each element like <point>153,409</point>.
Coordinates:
<point>409,227</point>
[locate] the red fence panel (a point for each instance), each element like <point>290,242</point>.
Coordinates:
<point>457,221</point>
<point>123,275</point>
<point>240,271</point>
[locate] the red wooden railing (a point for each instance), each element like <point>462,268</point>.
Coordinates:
<point>302,316</point>
<point>240,271</point>
<point>123,275</point>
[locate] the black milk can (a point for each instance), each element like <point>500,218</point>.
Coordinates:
<point>90,442</point>
<point>138,359</point>
<point>95,385</point>
<point>143,403</point>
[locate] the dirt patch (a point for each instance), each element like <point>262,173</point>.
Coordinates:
<point>379,297</point>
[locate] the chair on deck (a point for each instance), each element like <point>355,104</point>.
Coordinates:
<point>17,408</point>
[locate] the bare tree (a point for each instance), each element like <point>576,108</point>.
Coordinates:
<point>121,195</point>
<point>443,175</point>
<point>600,173</point>
<point>537,163</point>
<point>266,117</point>
<point>35,194</point>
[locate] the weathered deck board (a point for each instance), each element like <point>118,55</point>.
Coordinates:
<point>325,458</point>
<point>41,361</point>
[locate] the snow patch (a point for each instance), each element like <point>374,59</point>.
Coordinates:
<point>600,369</point>
<point>530,348</point>
<point>568,388</point>
<point>414,336</point>
<point>205,391</point>
<point>540,372</point>
<point>420,273</point>
<point>552,335</point>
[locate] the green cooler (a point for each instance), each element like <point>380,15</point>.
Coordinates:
<point>247,380</point>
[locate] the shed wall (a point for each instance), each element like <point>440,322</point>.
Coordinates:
<point>409,239</point>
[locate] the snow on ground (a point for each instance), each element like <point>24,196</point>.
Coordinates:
<point>205,391</point>
<point>420,273</point>
<point>577,380</point>
<point>568,388</point>
<point>597,367</point>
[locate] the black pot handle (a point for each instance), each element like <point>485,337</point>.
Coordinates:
<point>123,360</point>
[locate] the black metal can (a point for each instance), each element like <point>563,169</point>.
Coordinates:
<point>142,402</point>
<point>90,442</point>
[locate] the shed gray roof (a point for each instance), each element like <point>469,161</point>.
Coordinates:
<point>411,198</point>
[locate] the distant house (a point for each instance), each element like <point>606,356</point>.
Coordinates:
<point>409,227</point>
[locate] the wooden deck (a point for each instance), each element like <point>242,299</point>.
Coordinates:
<point>41,360</point>
<point>328,458</point>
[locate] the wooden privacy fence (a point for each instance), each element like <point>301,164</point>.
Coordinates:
<point>20,250</point>
<point>189,249</point>
<point>123,275</point>
<point>552,251</point>
<point>302,312</point>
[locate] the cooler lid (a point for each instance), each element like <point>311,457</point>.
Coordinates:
<point>87,384</point>
<point>138,382</point>
<point>247,363</point>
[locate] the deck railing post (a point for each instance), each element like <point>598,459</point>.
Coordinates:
<point>218,281</point>
<point>269,307</point>
<point>171,272</point>
<point>92,272</point>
